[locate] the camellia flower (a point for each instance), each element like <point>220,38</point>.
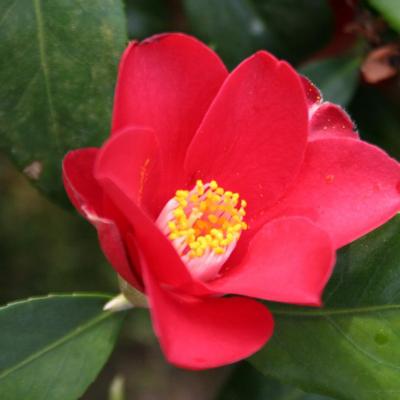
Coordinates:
<point>216,187</point>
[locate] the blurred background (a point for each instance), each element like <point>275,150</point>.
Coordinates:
<point>350,49</point>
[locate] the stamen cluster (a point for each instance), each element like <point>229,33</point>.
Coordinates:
<point>207,219</point>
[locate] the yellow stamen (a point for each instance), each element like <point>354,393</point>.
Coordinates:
<point>206,220</point>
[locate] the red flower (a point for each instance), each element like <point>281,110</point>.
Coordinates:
<point>215,183</point>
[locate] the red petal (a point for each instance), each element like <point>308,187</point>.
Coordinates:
<point>313,94</point>
<point>167,83</point>
<point>113,248</point>
<point>253,137</point>
<point>326,119</point>
<point>124,164</point>
<point>164,262</point>
<point>207,333</point>
<point>347,187</point>
<point>132,156</point>
<point>87,197</point>
<point>83,191</point>
<point>330,120</point>
<point>288,260</point>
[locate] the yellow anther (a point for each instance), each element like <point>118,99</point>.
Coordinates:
<point>216,233</point>
<point>194,245</point>
<point>243,203</point>
<point>200,187</point>
<point>237,227</point>
<point>182,193</point>
<point>178,212</point>
<point>216,198</point>
<point>219,191</point>
<point>213,185</point>
<point>182,222</point>
<point>236,218</point>
<point>219,250</point>
<point>199,252</point>
<point>202,240</point>
<point>183,203</point>
<point>171,225</point>
<point>214,244</point>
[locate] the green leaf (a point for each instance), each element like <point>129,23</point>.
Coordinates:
<point>53,347</point>
<point>377,119</point>
<point>146,17</point>
<point>58,72</point>
<point>290,21</point>
<point>350,349</point>
<point>247,383</point>
<point>390,10</point>
<point>238,28</point>
<point>337,78</point>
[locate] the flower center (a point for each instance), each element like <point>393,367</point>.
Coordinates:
<point>204,225</point>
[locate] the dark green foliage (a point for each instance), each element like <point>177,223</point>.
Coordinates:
<point>378,119</point>
<point>58,72</point>
<point>147,17</point>
<point>54,347</point>
<point>247,383</point>
<point>238,28</point>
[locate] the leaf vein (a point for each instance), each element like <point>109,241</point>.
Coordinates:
<point>64,339</point>
<point>356,346</point>
<point>45,67</point>
<point>336,311</point>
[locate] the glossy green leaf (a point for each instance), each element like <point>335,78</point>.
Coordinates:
<point>247,383</point>
<point>53,347</point>
<point>390,10</point>
<point>350,349</point>
<point>238,28</point>
<point>337,78</point>
<point>377,119</point>
<point>58,72</point>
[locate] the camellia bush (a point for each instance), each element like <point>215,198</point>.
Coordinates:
<point>237,160</point>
